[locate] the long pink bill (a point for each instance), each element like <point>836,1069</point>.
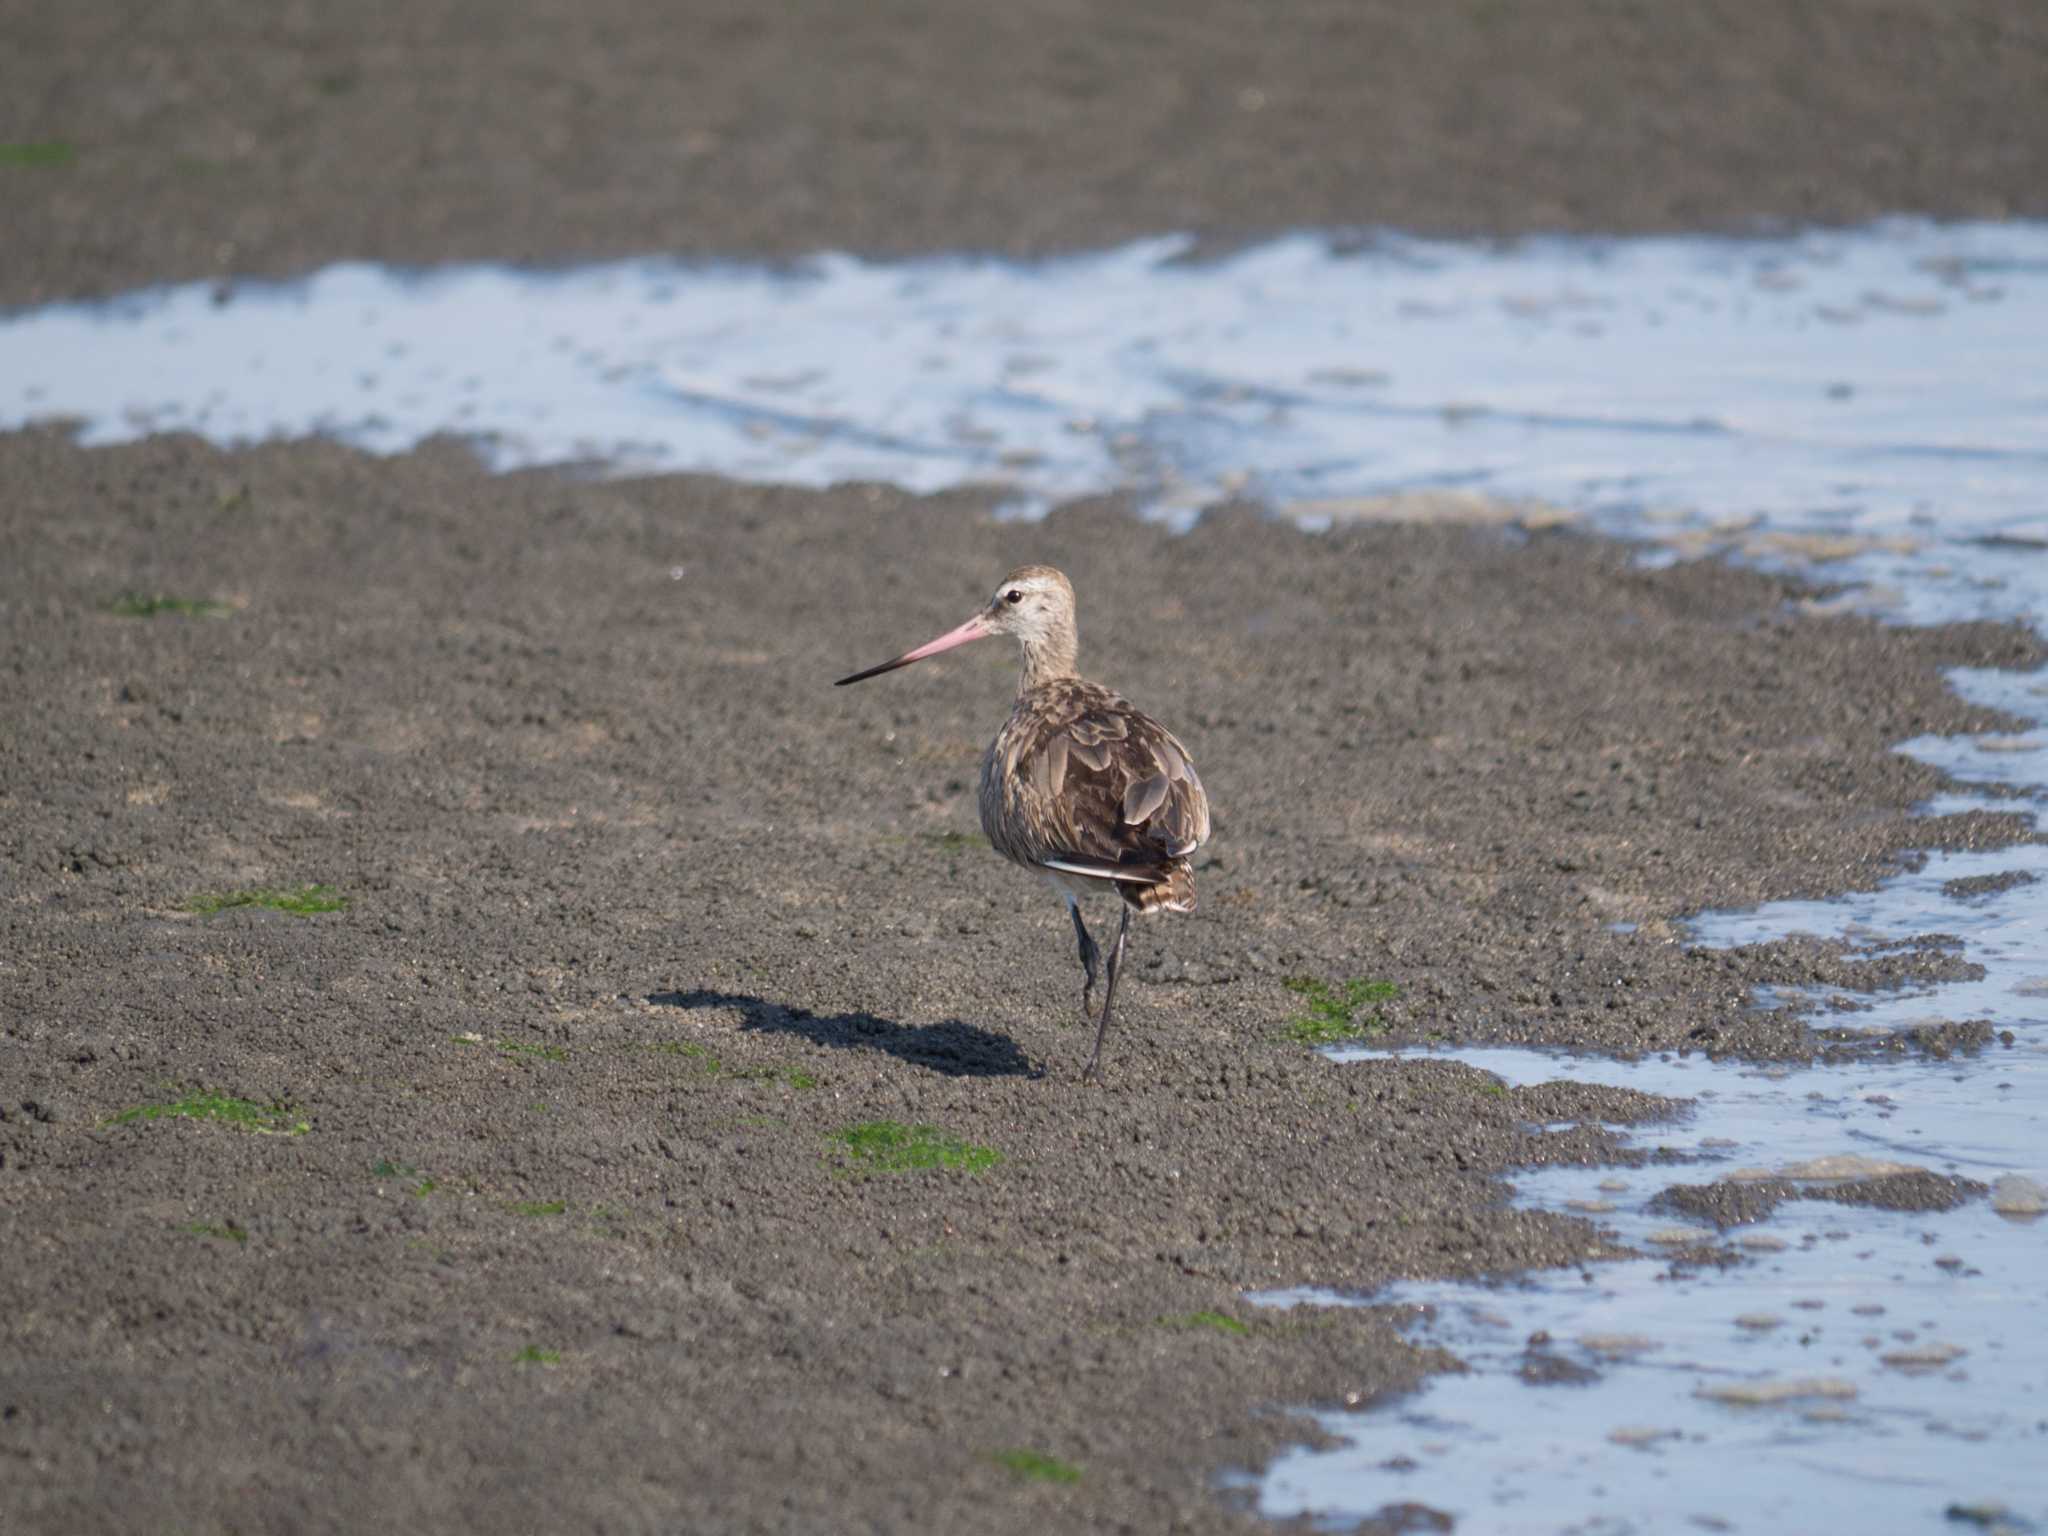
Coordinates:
<point>973,629</point>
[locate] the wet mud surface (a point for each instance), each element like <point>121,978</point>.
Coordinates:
<point>640,915</point>
<point>512,1190</point>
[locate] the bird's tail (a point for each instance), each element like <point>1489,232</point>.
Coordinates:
<point>1175,893</point>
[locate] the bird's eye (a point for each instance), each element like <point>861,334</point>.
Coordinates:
<point>1013,596</point>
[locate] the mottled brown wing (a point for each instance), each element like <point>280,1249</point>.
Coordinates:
<point>1096,781</point>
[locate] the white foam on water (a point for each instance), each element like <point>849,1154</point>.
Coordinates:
<point>1868,406</point>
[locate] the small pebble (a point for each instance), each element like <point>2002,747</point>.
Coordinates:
<point>1846,1166</point>
<point>1759,1322</point>
<point>1682,1237</point>
<point>1923,1357</point>
<point>1985,1512</point>
<point>1784,1389</point>
<point>1617,1343</point>
<point>1761,1242</point>
<point>2017,1195</point>
<point>1641,1434</point>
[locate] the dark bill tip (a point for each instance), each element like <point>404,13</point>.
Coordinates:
<point>973,629</point>
<point>887,666</point>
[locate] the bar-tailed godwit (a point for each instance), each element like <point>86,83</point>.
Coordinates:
<point>1078,785</point>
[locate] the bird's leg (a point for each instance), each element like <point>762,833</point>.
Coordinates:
<point>1116,961</point>
<point>1090,956</point>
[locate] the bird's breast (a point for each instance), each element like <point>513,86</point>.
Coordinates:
<point>1000,822</point>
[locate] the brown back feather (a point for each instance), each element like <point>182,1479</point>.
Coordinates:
<point>1077,773</point>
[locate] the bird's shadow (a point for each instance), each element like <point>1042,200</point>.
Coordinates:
<point>953,1048</point>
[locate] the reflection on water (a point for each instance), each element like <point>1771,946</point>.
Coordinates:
<point>1868,405</point>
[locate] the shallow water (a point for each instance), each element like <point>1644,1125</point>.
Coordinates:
<point>1869,406</point>
<point>1914,1340</point>
<point>1907,1387</point>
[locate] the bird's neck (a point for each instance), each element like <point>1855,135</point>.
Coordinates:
<point>1048,658</point>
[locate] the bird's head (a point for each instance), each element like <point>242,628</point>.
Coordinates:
<point>1035,603</point>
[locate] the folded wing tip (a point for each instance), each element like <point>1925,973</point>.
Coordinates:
<point>1102,869</point>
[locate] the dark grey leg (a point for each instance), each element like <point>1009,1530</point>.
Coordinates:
<point>1090,958</point>
<point>1116,961</point>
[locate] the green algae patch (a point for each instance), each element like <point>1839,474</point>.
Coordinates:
<point>1333,1010</point>
<point>682,1048</point>
<point>41,154</point>
<point>533,1354</point>
<point>888,1146</point>
<point>227,1231</point>
<point>1221,1322</point>
<point>533,1050</point>
<point>151,605</point>
<point>410,1178</point>
<point>244,1114</point>
<point>711,1066</point>
<point>300,901</point>
<point>540,1207</point>
<point>1037,1467</point>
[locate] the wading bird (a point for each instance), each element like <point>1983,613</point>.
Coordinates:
<point>1078,785</point>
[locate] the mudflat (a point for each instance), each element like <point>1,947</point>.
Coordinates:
<point>489,1038</point>
<point>227,138</point>
<point>578,1204</point>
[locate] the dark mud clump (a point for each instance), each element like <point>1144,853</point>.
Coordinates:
<point>1734,1203</point>
<point>1542,1367</point>
<point>1937,1040</point>
<point>1916,1191</point>
<point>1410,1519</point>
<point>1601,1103</point>
<point>1977,887</point>
<point>1923,961</point>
